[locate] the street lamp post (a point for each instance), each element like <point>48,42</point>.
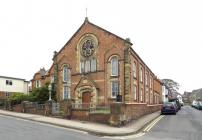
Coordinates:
<point>49,88</point>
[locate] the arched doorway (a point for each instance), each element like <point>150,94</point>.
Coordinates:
<point>86,99</point>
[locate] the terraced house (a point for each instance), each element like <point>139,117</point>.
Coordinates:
<point>99,68</point>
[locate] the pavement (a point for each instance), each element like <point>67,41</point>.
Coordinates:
<point>90,127</point>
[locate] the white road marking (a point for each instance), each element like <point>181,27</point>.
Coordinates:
<point>125,137</point>
<point>148,128</point>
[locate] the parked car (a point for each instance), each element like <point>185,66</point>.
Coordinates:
<point>177,102</point>
<point>199,105</point>
<point>169,108</point>
<point>181,102</point>
<point>194,103</point>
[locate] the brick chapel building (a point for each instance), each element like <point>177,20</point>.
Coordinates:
<point>96,66</point>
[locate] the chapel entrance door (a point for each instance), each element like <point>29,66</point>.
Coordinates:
<point>86,98</point>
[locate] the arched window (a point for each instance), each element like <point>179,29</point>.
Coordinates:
<point>114,66</point>
<point>87,47</point>
<point>134,70</point>
<point>66,82</point>
<point>93,64</point>
<point>150,83</point>
<point>66,92</point>
<point>66,74</point>
<point>141,95</point>
<point>141,74</point>
<point>135,92</point>
<point>146,78</point>
<point>151,97</point>
<point>114,89</point>
<point>88,65</point>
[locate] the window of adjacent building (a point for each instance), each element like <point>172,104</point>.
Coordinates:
<point>141,95</point>
<point>141,75</point>
<point>66,92</point>
<point>52,79</point>
<point>7,94</point>
<point>114,88</point>
<point>135,92</point>
<point>9,82</point>
<point>134,70</point>
<point>38,83</point>
<point>114,66</point>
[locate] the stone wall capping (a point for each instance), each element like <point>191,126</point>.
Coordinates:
<point>136,103</point>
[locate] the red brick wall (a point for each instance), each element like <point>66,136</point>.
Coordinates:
<point>17,108</point>
<point>157,86</point>
<point>108,45</point>
<point>2,95</point>
<point>80,115</point>
<point>123,113</point>
<point>100,118</point>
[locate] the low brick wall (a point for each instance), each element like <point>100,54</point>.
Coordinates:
<point>118,114</point>
<point>80,115</point>
<point>123,113</point>
<point>17,108</point>
<point>40,112</point>
<point>100,118</point>
<point>65,107</point>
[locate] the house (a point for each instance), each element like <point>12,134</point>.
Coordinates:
<point>40,78</point>
<point>97,67</point>
<point>186,97</point>
<point>10,85</point>
<point>165,93</point>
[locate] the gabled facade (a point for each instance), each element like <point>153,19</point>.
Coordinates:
<point>40,78</point>
<point>96,66</point>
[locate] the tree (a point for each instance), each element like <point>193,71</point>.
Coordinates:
<point>41,94</point>
<point>171,84</point>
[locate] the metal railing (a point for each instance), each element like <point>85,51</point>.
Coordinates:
<point>82,106</point>
<point>100,109</point>
<point>41,106</point>
<point>92,108</point>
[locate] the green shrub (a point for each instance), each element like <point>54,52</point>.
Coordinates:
<point>39,95</point>
<point>17,98</point>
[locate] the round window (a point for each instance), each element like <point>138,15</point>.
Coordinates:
<point>87,48</point>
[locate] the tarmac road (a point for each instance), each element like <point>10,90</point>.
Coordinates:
<point>186,125</point>
<point>17,129</point>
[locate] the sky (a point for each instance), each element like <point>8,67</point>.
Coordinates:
<point>167,34</point>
